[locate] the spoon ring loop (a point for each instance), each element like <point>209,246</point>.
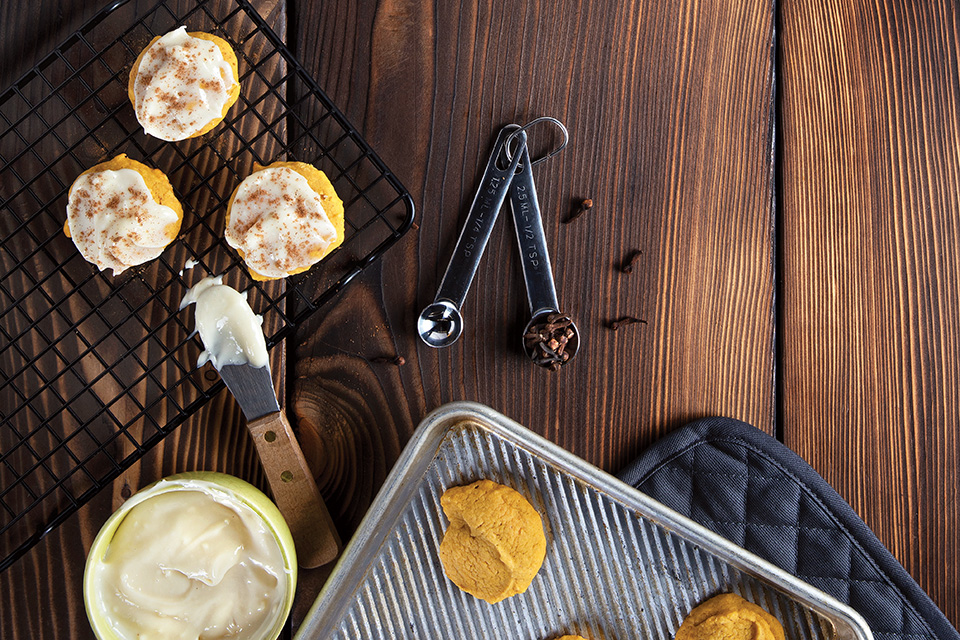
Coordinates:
<point>551,120</point>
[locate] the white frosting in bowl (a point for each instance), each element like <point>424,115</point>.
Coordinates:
<point>191,560</point>
<point>182,84</point>
<point>279,223</point>
<point>114,220</point>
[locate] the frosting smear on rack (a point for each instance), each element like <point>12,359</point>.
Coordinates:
<point>231,332</point>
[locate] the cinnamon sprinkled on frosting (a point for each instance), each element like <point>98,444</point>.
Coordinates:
<point>278,222</point>
<point>114,220</point>
<point>181,86</point>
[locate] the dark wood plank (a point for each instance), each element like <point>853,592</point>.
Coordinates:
<point>214,439</point>
<point>872,213</point>
<point>668,106</point>
<point>669,109</point>
<point>19,54</point>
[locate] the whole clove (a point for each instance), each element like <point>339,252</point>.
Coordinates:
<point>397,360</point>
<point>627,266</point>
<point>546,342</point>
<point>624,321</point>
<point>585,205</point>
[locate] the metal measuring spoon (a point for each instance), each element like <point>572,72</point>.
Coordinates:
<point>440,323</point>
<point>551,338</point>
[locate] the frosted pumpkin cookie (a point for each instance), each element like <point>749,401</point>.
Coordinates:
<point>283,219</point>
<point>495,544</point>
<point>122,213</point>
<point>729,617</point>
<point>183,84</point>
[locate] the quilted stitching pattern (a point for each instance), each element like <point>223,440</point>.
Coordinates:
<point>752,493</point>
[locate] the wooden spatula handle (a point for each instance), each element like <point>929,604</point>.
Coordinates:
<point>295,491</point>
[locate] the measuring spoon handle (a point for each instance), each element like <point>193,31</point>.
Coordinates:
<point>479,223</point>
<point>534,257</point>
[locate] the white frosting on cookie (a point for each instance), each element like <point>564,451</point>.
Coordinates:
<point>181,86</point>
<point>114,220</point>
<point>279,223</point>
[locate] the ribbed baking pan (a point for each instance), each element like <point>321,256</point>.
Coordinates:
<point>619,565</point>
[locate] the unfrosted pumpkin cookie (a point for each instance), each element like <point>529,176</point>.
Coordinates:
<point>729,617</point>
<point>182,84</point>
<point>495,544</point>
<point>122,213</point>
<point>283,219</point>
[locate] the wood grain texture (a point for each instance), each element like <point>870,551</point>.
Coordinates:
<point>871,210</point>
<point>669,108</point>
<point>669,111</point>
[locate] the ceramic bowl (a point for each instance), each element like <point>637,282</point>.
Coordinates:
<point>232,486</point>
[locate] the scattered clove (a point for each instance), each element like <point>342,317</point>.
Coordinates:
<point>624,321</point>
<point>585,206</point>
<point>546,342</point>
<point>397,360</point>
<point>627,266</point>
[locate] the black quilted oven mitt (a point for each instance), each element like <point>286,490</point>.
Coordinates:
<point>746,486</point>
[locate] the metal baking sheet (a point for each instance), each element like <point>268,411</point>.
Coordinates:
<point>619,565</point>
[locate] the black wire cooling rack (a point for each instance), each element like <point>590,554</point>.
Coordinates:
<point>97,369</point>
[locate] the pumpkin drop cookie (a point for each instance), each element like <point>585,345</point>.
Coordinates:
<point>495,543</point>
<point>182,84</point>
<point>122,213</point>
<point>283,219</point>
<point>729,617</point>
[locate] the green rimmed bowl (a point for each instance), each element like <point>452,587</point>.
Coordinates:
<point>232,487</point>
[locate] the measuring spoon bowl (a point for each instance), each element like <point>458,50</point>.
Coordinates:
<point>551,326</point>
<point>440,324</point>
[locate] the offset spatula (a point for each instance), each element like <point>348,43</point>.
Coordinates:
<point>294,489</point>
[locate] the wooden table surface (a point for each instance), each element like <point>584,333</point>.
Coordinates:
<point>789,173</point>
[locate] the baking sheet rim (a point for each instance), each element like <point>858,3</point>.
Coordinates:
<point>371,535</point>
